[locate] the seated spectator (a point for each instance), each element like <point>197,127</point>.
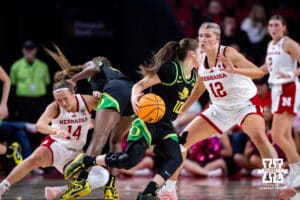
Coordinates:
<point>255,25</point>
<point>233,36</point>
<point>206,158</point>
<point>214,12</point>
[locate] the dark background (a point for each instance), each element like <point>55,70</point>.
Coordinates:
<point>124,31</point>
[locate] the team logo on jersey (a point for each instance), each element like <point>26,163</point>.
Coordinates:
<point>83,112</point>
<point>184,94</point>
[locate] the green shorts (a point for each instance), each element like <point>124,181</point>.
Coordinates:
<point>152,133</point>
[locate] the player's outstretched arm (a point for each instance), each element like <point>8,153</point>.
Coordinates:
<point>89,69</point>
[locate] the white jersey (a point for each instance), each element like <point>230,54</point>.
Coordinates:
<point>279,61</point>
<point>76,123</point>
<point>226,90</point>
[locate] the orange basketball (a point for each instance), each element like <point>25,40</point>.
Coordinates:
<point>152,108</point>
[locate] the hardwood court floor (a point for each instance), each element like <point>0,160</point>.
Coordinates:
<point>189,188</point>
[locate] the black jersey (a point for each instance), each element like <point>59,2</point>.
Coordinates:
<point>174,88</point>
<point>106,74</point>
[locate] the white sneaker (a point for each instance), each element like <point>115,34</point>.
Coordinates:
<point>162,194</point>
<point>215,173</point>
<point>3,189</point>
<point>53,193</point>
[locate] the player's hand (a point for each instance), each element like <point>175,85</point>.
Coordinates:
<point>97,95</point>
<point>135,102</point>
<point>228,66</point>
<point>62,133</point>
<point>3,111</point>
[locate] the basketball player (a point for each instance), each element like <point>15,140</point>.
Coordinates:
<point>171,75</point>
<point>226,75</point>
<point>114,110</point>
<point>70,117</point>
<point>283,55</point>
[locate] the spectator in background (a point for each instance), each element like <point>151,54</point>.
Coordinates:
<point>255,25</point>
<point>206,157</point>
<point>30,77</point>
<point>214,12</point>
<point>233,36</point>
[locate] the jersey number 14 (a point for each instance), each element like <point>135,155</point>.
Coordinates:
<point>76,133</point>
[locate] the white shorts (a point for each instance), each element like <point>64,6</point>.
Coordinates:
<point>286,98</point>
<point>223,119</point>
<point>61,156</point>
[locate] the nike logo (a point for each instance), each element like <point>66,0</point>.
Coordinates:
<point>166,172</point>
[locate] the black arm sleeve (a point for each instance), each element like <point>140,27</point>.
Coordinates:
<point>167,73</point>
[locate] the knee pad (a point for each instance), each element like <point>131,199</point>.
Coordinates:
<point>112,159</point>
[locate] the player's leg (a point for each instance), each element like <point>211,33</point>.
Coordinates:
<point>199,129</point>
<point>254,126</point>
<point>41,157</point>
<point>282,136</point>
<point>110,191</point>
<point>105,121</point>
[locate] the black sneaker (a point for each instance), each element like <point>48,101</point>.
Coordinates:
<point>142,196</point>
<point>14,152</point>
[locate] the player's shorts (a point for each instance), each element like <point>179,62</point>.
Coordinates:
<point>223,119</point>
<point>286,98</point>
<point>152,133</point>
<point>116,95</point>
<point>61,156</point>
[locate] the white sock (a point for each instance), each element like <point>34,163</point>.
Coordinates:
<point>5,183</point>
<point>98,177</point>
<point>170,186</point>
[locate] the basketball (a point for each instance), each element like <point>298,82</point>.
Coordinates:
<point>151,108</point>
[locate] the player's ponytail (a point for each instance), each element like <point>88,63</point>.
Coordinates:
<point>68,71</point>
<point>172,50</point>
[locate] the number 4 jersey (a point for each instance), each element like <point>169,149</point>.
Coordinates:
<point>76,123</point>
<point>226,90</point>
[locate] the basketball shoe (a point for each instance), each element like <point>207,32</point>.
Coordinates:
<point>77,189</point>
<point>52,193</point>
<point>142,196</point>
<point>110,190</point>
<point>14,152</point>
<point>75,166</point>
<point>163,194</point>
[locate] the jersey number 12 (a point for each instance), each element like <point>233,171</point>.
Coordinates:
<point>217,89</point>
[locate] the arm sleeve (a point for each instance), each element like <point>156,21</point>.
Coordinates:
<point>167,73</point>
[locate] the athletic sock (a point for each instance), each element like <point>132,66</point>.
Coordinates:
<point>151,188</point>
<point>89,161</point>
<point>170,185</point>
<point>5,183</point>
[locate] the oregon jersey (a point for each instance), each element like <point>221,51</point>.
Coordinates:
<point>174,87</point>
<point>106,74</point>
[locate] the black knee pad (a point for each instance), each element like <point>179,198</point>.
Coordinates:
<point>112,159</point>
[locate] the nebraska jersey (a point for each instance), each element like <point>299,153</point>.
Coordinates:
<point>279,61</point>
<point>226,90</point>
<point>76,123</point>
